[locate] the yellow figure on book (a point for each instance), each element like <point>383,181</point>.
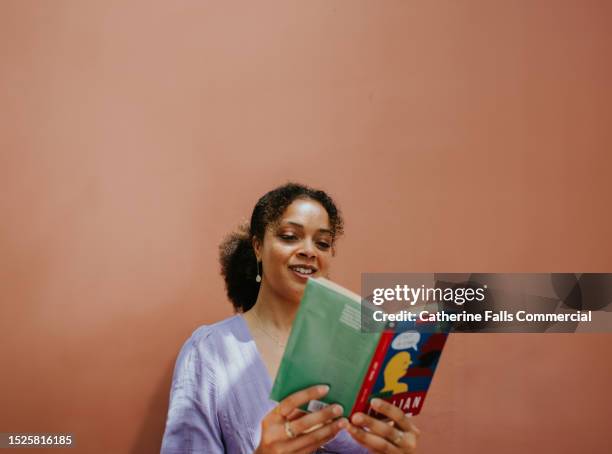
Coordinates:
<point>396,369</point>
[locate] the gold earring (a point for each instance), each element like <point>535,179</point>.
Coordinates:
<point>258,277</point>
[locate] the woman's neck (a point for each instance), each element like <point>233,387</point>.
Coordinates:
<point>273,311</point>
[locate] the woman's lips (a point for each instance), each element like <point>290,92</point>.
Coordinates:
<point>303,276</point>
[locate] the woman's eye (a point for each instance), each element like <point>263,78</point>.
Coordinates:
<point>324,245</point>
<point>288,237</point>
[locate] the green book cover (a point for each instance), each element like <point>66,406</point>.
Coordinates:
<point>326,346</point>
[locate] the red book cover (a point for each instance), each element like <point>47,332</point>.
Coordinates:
<point>402,369</point>
<point>362,402</point>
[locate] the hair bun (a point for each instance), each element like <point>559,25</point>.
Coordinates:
<point>239,268</point>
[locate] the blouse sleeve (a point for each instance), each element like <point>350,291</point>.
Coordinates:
<point>345,444</point>
<point>192,425</point>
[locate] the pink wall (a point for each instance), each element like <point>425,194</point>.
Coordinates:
<point>456,136</point>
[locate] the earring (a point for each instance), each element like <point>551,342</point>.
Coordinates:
<point>258,277</point>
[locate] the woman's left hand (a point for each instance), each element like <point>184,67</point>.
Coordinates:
<point>382,437</point>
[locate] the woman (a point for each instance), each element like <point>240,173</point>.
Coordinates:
<point>223,375</point>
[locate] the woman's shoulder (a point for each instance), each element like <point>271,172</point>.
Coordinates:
<point>217,340</point>
<point>232,327</point>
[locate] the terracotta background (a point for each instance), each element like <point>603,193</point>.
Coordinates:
<point>456,136</point>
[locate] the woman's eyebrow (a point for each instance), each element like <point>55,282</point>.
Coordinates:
<point>297,224</point>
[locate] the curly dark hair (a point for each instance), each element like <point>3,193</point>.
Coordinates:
<point>236,253</point>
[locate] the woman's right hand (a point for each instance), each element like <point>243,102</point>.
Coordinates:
<point>286,429</point>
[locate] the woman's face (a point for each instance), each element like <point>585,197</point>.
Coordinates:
<point>299,245</point>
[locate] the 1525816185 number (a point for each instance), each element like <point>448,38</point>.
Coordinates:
<point>14,440</point>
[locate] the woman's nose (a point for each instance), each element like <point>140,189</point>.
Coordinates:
<point>307,250</point>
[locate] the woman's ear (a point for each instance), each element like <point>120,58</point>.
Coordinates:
<point>256,247</point>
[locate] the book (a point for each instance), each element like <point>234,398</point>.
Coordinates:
<point>329,345</point>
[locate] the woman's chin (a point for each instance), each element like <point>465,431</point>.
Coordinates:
<point>297,293</point>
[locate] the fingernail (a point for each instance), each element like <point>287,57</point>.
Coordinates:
<point>342,423</point>
<point>323,388</point>
<point>357,419</point>
<point>375,402</point>
<point>337,409</point>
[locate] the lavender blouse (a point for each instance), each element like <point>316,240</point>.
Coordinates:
<point>219,395</point>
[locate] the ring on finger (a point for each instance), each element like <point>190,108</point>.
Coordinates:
<point>399,435</point>
<point>290,433</point>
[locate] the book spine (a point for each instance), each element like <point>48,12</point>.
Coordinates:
<point>361,403</point>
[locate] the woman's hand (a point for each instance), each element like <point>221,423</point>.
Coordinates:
<point>286,429</point>
<point>381,437</point>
